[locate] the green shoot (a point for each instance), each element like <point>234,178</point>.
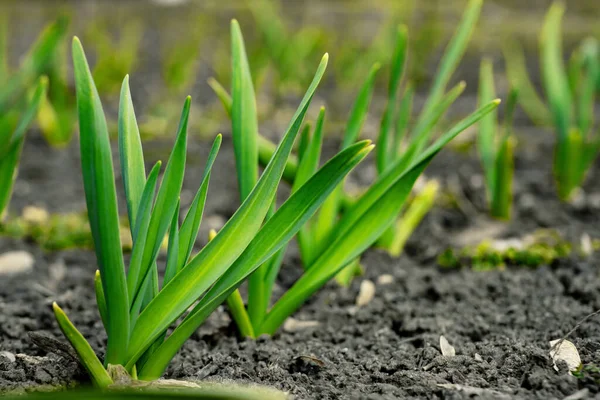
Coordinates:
<point>58,112</point>
<point>342,230</point>
<point>33,66</point>
<point>12,136</point>
<point>400,149</point>
<point>136,309</point>
<point>496,151</point>
<point>21,97</point>
<point>568,103</point>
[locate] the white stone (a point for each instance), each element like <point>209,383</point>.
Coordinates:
<point>447,349</point>
<point>294,325</point>
<point>366,293</point>
<point>385,279</point>
<point>16,262</point>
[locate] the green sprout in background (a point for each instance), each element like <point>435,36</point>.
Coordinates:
<point>570,94</point>
<point>137,309</point>
<point>58,112</point>
<point>496,151</point>
<point>21,94</point>
<point>332,240</point>
<point>397,152</point>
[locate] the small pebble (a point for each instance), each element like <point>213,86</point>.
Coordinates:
<point>294,325</point>
<point>35,215</point>
<point>478,357</point>
<point>385,279</point>
<point>16,262</point>
<point>366,293</point>
<point>587,247</point>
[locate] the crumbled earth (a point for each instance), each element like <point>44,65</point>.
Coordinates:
<point>499,321</point>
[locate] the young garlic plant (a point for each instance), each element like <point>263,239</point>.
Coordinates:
<point>496,151</point>
<point>334,239</point>
<point>58,112</point>
<point>396,153</point>
<point>570,99</point>
<point>136,306</point>
<point>21,94</point>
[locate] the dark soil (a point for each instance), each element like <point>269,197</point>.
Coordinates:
<point>500,321</point>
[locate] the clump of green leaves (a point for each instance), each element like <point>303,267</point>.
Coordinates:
<point>344,227</point>
<point>136,307</point>
<point>21,94</point>
<point>496,151</point>
<point>542,248</point>
<point>399,157</point>
<point>570,97</point>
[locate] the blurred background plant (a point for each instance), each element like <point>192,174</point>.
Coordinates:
<point>569,101</point>
<point>21,93</point>
<point>174,47</point>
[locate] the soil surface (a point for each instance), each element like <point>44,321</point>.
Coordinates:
<point>499,321</point>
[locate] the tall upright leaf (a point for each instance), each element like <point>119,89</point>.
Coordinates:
<point>101,198</point>
<point>218,255</point>
<point>244,124</point>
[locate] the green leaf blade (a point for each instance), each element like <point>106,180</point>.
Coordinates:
<point>244,121</point>
<point>101,198</point>
<point>130,153</point>
<point>486,138</point>
<point>272,236</point>
<point>85,352</point>
<point>191,223</point>
<point>218,255</point>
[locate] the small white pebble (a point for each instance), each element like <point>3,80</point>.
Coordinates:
<point>294,325</point>
<point>586,245</point>
<point>35,215</point>
<point>385,279</point>
<point>478,357</point>
<point>366,293</point>
<point>16,262</point>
